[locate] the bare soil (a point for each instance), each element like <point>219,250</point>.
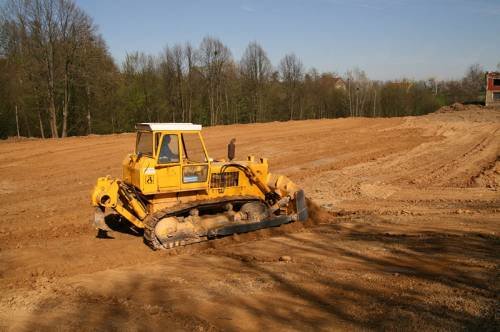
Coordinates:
<point>404,234</point>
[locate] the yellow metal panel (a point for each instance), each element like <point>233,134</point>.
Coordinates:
<point>169,177</point>
<point>129,216</point>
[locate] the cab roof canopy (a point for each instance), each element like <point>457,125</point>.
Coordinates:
<point>168,126</point>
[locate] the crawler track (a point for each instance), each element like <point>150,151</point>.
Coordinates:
<point>151,220</point>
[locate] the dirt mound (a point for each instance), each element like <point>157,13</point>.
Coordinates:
<point>456,107</point>
<point>489,176</point>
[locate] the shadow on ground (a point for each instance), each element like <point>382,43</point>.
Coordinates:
<point>362,277</point>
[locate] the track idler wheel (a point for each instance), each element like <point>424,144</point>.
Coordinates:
<point>169,232</point>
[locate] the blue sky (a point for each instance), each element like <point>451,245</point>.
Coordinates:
<point>389,39</point>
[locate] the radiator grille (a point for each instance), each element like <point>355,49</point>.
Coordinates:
<point>222,180</point>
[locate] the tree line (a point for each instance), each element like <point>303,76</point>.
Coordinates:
<point>58,79</point>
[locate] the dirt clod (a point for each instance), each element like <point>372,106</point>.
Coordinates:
<point>285,258</point>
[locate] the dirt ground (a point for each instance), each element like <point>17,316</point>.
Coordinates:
<point>404,235</point>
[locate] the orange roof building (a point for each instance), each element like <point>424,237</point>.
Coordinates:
<point>493,89</point>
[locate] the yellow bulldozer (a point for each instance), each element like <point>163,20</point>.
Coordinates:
<point>178,195</point>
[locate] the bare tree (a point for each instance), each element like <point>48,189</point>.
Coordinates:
<point>141,71</point>
<point>191,60</point>
<point>473,82</point>
<point>256,70</point>
<point>358,90</point>
<point>46,34</point>
<point>215,58</point>
<point>190,56</point>
<point>291,72</point>
<point>174,64</point>
<point>75,28</point>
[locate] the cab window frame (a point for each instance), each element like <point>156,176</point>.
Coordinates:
<point>169,163</point>
<point>157,140</point>
<point>138,138</point>
<point>187,164</point>
<point>185,153</point>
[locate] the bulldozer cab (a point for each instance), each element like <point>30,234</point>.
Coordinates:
<point>168,157</point>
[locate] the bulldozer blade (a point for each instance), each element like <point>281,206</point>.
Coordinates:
<point>245,228</point>
<point>301,205</point>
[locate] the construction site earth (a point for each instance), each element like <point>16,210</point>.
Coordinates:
<point>403,234</point>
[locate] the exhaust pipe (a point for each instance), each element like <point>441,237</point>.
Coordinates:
<point>231,149</point>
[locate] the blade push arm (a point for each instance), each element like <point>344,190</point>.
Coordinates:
<point>114,194</point>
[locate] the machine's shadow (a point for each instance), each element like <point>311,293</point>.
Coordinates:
<point>116,223</point>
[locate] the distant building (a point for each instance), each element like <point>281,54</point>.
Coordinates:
<point>339,83</point>
<point>493,89</point>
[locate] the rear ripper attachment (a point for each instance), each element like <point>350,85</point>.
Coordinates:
<point>178,195</point>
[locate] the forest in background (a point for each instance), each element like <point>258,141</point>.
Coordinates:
<point>58,79</point>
